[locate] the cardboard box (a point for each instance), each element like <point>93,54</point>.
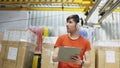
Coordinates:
<point>92,56</point>
<point>16,54</point>
<point>1,53</point>
<point>107,57</point>
<point>2,50</point>
<point>47,53</point>
<point>1,36</point>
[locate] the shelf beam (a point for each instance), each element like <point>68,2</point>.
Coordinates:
<point>46,9</point>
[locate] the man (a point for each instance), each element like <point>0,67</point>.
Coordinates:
<point>73,39</point>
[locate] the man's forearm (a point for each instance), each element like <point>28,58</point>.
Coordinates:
<point>86,59</point>
<point>55,55</point>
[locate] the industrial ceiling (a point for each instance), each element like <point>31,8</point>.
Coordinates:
<point>47,5</point>
<point>87,6</point>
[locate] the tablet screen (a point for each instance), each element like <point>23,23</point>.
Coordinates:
<point>65,53</point>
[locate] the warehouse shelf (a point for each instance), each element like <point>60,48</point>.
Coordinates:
<point>47,9</point>
<point>46,1</point>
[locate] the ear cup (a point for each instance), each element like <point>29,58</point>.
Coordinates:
<point>81,21</point>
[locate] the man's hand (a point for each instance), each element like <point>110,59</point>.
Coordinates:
<point>86,59</point>
<point>76,59</point>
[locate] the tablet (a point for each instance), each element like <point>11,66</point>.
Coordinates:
<point>65,53</point>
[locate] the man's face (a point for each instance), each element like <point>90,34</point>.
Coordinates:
<point>71,26</point>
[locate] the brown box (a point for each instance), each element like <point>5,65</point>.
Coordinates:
<point>16,54</point>
<point>47,53</point>
<point>92,56</point>
<point>2,50</point>
<point>1,36</point>
<point>107,57</point>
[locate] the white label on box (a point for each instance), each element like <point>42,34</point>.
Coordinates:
<point>110,57</point>
<point>12,54</point>
<point>0,47</point>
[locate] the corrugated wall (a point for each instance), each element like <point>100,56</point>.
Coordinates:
<point>54,19</point>
<point>110,28</point>
<point>13,20</point>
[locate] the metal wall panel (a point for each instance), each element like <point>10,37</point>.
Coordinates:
<point>110,28</point>
<point>13,20</point>
<point>54,19</point>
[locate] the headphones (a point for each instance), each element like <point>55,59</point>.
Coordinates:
<point>79,24</point>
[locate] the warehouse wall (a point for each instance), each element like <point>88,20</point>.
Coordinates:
<point>23,19</point>
<point>110,29</point>
<point>13,19</point>
<point>56,19</point>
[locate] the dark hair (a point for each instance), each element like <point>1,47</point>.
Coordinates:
<point>75,18</point>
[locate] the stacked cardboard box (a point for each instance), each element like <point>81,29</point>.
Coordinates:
<point>20,35</point>
<point>92,57</point>
<point>107,57</point>
<point>1,36</point>
<point>47,54</point>
<point>16,54</point>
